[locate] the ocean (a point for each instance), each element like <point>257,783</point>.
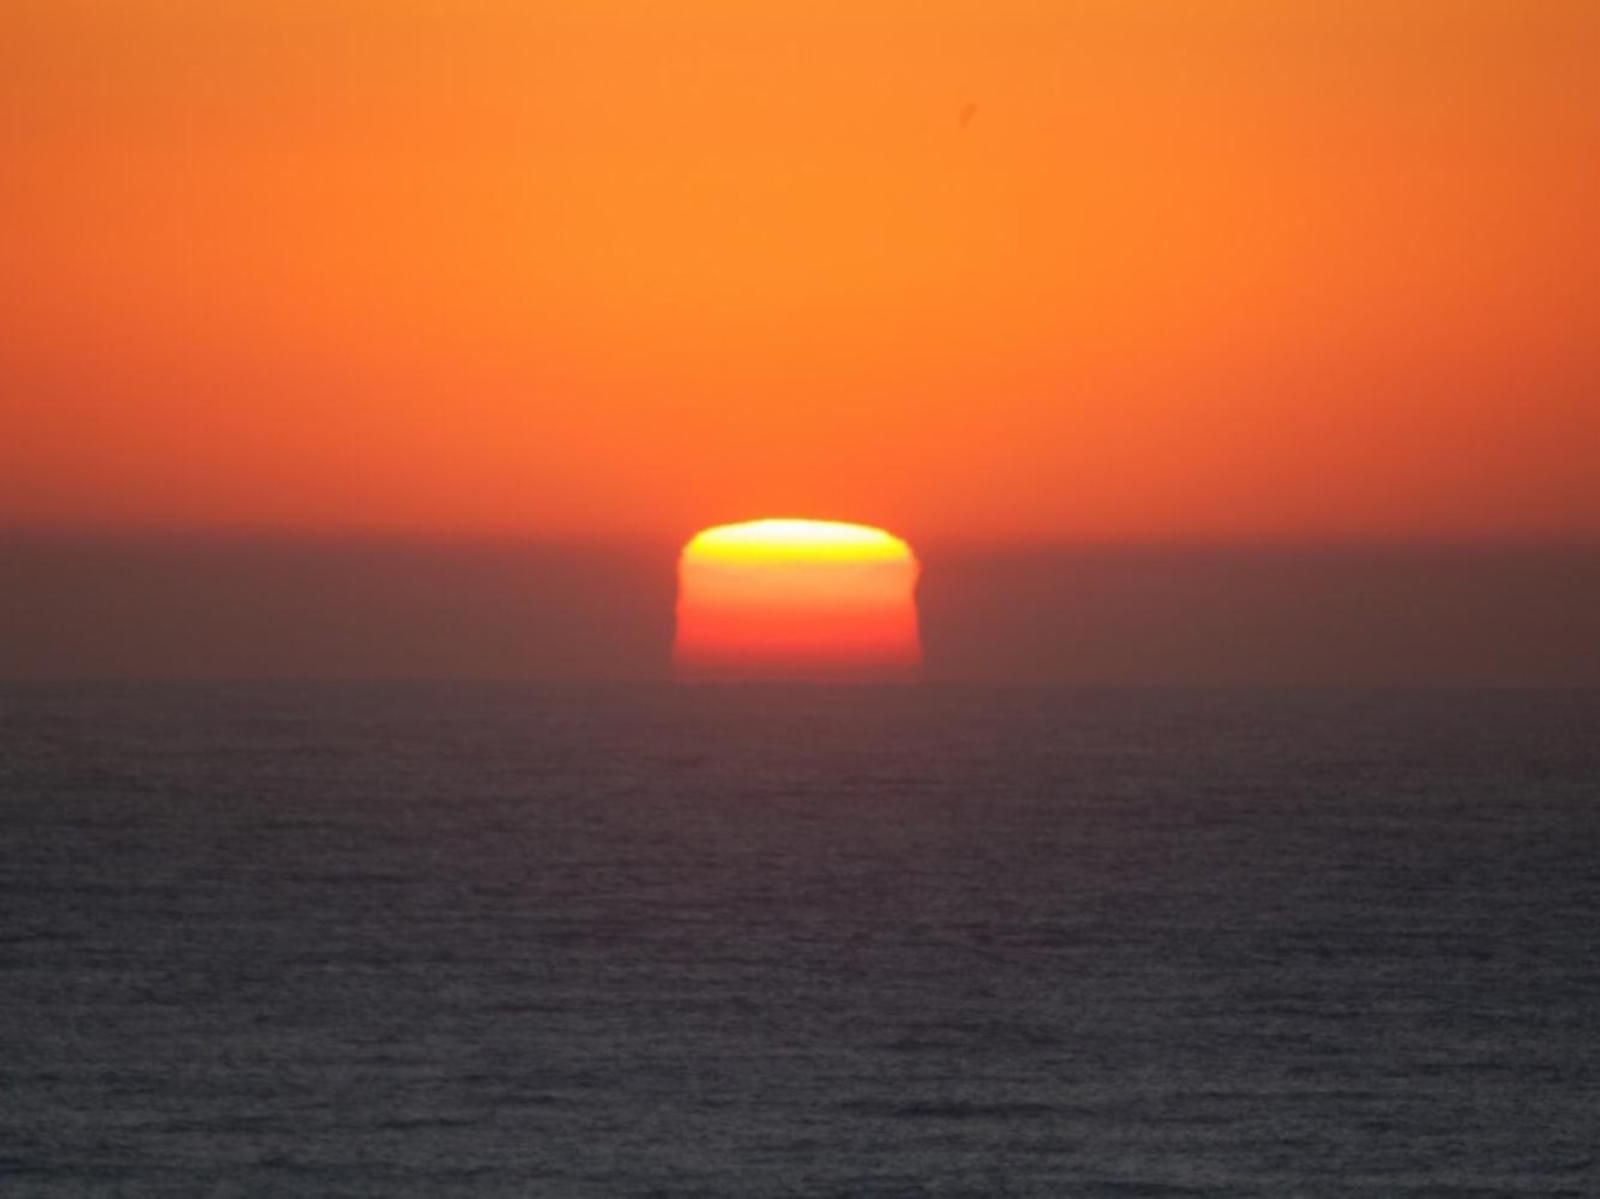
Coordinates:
<point>749,941</point>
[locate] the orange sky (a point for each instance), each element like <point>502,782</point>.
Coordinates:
<point>600,268</point>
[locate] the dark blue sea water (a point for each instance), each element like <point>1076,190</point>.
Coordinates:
<point>442,940</point>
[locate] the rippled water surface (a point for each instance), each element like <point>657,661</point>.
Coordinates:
<point>622,941</point>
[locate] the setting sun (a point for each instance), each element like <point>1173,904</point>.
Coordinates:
<point>797,598</point>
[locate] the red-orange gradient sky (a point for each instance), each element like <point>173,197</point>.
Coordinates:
<point>600,268</point>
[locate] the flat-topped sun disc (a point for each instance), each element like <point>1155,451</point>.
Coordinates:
<point>791,598</point>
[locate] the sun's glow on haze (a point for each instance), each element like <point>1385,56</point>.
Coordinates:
<point>790,598</point>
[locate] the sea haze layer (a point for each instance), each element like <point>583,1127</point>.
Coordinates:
<point>610,941</point>
<point>217,606</point>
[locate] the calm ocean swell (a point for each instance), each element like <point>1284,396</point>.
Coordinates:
<point>433,940</point>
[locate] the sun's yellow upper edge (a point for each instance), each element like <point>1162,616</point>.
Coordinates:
<point>795,537</point>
